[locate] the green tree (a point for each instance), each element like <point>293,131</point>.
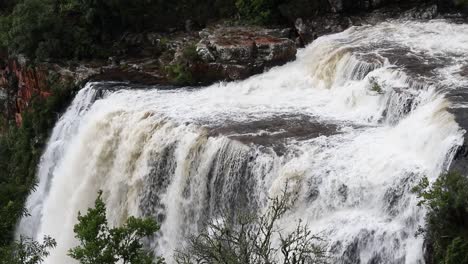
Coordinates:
<point>29,21</point>
<point>26,251</point>
<point>447,217</point>
<point>100,244</point>
<point>259,11</point>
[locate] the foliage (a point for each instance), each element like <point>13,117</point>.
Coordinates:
<point>190,53</point>
<point>375,86</point>
<point>46,29</point>
<point>180,72</point>
<point>461,3</point>
<point>101,244</point>
<point>26,251</point>
<point>81,29</point>
<point>20,150</point>
<point>447,216</point>
<point>7,5</point>
<point>5,22</point>
<point>258,11</point>
<point>57,29</point>
<point>251,239</point>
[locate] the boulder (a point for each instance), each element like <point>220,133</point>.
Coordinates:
<point>316,27</point>
<point>422,12</point>
<point>233,53</point>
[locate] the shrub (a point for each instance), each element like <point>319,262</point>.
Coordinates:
<point>180,72</point>
<point>259,11</point>
<point>26,251</point>
<point>375,86</point>
<point>447,217</point>
<point>104,245</point>
<point>250,239</point>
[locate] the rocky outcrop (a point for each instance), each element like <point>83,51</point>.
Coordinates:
<point>309,29</point>
<point>20,83</point>
<point>307,9</point>
<point>233,53</point>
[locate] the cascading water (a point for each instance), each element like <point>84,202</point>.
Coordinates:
<point>352,125</point>
<point>63,131</point>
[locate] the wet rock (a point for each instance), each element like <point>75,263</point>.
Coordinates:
<point>272,49</point>
<point>460,160</point>
<point>394,197</point>
<point>343,193</point>
<point>113,61</point>
<point>189,25</point>
<point>133,39</point>
<point>316,27</point>
<point>234,50</point>
<point>204,52</point>
<point>233,53</point>
<point>422,12</point>
<point>306,32</point>
<point>351,254</point>
<point>319,25</point>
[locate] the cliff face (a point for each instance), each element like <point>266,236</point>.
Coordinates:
<point>20,83</point>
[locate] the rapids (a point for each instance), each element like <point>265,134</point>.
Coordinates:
<point>353,124</point>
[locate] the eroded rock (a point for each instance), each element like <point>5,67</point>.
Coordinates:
<point>237,52</point>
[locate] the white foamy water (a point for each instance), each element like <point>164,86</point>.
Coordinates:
<point>153,152</point>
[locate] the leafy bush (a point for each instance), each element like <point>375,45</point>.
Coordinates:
<point>5,22</point>
<point>258,11</point>
<point>104,245</point>
<point>26,251</point>
<point>180,72</point>
<point>461,3</point>
<point>375,86</point>
<point>447,217</point>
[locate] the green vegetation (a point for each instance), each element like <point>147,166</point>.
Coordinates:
<point>461,3</point>
<point>249,239</point>
<point>20,151</point>
<point>447,217</point>
<point>375,86</point>
<point>104,245</point>
<point>99,244</point>
<point>259,11</point>
<point>80,29</point>
<point>84,29</point>
<point>180,72</point>
<point>26,251</point>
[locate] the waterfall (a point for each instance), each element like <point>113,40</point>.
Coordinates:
<point>352,125</point>
<point>63,131</point>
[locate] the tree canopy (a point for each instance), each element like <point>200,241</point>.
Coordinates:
<point>102,244</point>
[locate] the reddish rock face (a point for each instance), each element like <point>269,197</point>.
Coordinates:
<point>22,84</point>
<point>233,53</point>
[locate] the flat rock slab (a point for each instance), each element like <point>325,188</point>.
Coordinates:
<point>246,50</point>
